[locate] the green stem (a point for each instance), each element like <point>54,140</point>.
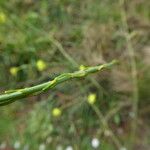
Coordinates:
<point>13,95</point>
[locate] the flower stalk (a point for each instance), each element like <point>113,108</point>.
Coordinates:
<point>13,95</point>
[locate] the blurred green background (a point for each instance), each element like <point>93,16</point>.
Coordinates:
<point>40,39</point>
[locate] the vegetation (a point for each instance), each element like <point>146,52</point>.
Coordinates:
<point>12,95</point>
<point>41,41</point>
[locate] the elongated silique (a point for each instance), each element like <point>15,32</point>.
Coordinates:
<point>13,95</point>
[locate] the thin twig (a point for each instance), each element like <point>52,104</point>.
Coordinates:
<point>133,70</point>
<point>106,127</point>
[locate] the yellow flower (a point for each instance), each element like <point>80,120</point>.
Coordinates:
<point>2,17</point>
<point>82,67</point>
<point>56,112</point>
<point>41,65</point>
<point>91,98</point>
<point>13,71</point>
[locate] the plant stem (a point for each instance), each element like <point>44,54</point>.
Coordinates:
<point>13,95</point>
<point>106,127</point>
<point>132,58</point>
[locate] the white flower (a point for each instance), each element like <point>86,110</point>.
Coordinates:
<point>95,143</point>
<point>42,147</point>
<point>69,148</point>
<point>17,145</point>
<point>3,145</point>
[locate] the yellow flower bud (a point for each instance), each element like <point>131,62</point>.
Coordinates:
<point>82,67</point>
<point>2,17</point>
<point>13,71</point>
<point>91,98</point>
<point>56,112</point>
<point>41,65</point>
